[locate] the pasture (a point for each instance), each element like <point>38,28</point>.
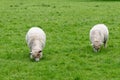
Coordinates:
<point>68,54</point>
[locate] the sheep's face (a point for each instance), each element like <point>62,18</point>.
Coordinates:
<point>96,46</point>
<point>36,54</point>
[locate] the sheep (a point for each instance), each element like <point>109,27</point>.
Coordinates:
<point>36,39</point>
<point>98,36</point>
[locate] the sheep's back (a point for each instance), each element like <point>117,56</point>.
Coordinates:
<point>99,31</point>
<point>35,34</point>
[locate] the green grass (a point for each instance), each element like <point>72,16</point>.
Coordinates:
<point>68,54</point>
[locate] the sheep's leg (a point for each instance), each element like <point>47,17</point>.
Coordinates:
<point>105,45</point>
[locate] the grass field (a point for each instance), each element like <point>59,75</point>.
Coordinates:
<point>68,54</point>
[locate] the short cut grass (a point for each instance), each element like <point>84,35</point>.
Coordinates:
<point>68,54</point>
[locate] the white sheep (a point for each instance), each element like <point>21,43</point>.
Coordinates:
<point>36,39</point>
<point>98,36</point>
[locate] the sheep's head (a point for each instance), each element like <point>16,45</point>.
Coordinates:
<point>36,54</point>
<point>96,46</point>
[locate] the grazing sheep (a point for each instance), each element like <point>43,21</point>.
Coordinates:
<point>36,39</point>
<point>98,36</point>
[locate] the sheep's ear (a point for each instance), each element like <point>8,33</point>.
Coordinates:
<point>30,53</point>
<point>39,51</point>
<point>91,44</point>
<point>101,42</point>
